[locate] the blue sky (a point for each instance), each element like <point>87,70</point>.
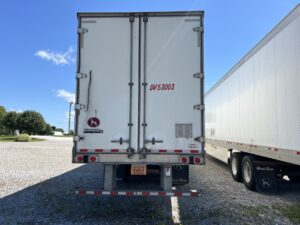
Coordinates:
<point>38,43</point>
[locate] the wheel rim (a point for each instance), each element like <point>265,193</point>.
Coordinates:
<point>234,166</point>
<point>247,172</point>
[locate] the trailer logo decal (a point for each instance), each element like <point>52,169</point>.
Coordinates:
<point>162,87</point>
<point>93,122</point>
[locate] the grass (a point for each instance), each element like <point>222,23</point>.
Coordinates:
<point>254,211</point>
<point>12,139</point>
<point>292,212</point>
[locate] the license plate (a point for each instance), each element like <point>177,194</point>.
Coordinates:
<point>139,169</point>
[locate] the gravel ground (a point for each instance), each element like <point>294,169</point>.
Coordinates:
<point>37,181</point>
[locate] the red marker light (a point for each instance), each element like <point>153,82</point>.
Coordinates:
<point>183,159</point>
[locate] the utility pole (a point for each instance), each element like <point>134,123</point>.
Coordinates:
<point>71,103</point>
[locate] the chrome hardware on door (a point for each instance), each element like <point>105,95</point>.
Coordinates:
<point>120,141</point>
<point>198,107</point>
<point>130,152</point>
<point>81,75</point>
<point>199,139</point>
<point>198,75</point>
<point>82,30</point>
<point>80,106</point>
<point>199,30</point>
<point>78,138</point>
<point>153,141</point>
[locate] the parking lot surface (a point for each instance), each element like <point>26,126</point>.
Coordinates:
<point>37,183</point>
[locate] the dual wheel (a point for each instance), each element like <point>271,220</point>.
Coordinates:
<point>242,169</point>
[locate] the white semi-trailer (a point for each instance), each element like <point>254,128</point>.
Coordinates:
<point>140,99</point>
<point>253,112</point>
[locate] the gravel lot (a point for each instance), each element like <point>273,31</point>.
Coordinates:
<point>37,181</point>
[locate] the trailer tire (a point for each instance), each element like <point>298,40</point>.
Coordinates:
<point>294,178</point>
<point>248,173</point>
<point>235,166</point>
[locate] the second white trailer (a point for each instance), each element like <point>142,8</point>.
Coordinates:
<point>253,112</point>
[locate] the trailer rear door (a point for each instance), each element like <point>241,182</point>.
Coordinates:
<point>172,87</point>
<point>140,86</point>
<point>108,47</point>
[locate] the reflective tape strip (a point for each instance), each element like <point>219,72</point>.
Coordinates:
<point>162,150</point>
<point>194,151</point>
<point>275,149</point>
<point>101,150</point>
<point>84,150</point>
<point>114,150</point>
<point>153,151</point>
<point>176,151</point>
<point>140,193</point>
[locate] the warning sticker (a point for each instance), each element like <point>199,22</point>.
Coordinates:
<point>88,130</point>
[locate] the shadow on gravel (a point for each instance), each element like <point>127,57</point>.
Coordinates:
<point>284,186</point>
<point>54,202</point>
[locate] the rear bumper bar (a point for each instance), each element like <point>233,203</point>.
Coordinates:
<point>99,193</point>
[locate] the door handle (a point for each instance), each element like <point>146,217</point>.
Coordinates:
<point>153,141</point>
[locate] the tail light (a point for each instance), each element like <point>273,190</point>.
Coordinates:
<point>92,158</point>
<point>79,158</point>
<point>184,159</point>
<point>197,160</point>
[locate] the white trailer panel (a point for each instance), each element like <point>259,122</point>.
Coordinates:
<point>140,87</point>
<point>255,107</point>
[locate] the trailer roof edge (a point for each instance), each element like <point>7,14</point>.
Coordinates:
<point>124,14</point>
<point>267,38</point>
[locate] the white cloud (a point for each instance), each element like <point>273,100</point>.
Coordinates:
<point>58,58</point>
<point>18,110</point>
<point>67,96</point>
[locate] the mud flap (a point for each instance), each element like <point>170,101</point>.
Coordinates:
<point>265,178</point>
<point>180,175</point>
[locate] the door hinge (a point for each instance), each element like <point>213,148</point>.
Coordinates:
<point>81,75</point>
<point>79,106</point>
<point>82,30</point>
<point>198,29</point>
<point>131,19</point>
<point>198,75</point>
<point>200,139</point>
<point>198,107</point>
<point>78,138</point>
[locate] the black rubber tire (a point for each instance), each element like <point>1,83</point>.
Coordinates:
<point>249,181</point>
<point>236,158</point>
<point>294,178</point>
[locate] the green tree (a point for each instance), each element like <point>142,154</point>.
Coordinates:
<point>47,129</point>
<point>10,121</point>
<point>3,130</point>
<point>60,130</point>
<point>31,122</point>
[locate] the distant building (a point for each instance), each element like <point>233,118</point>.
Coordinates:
<point>58,133</point>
